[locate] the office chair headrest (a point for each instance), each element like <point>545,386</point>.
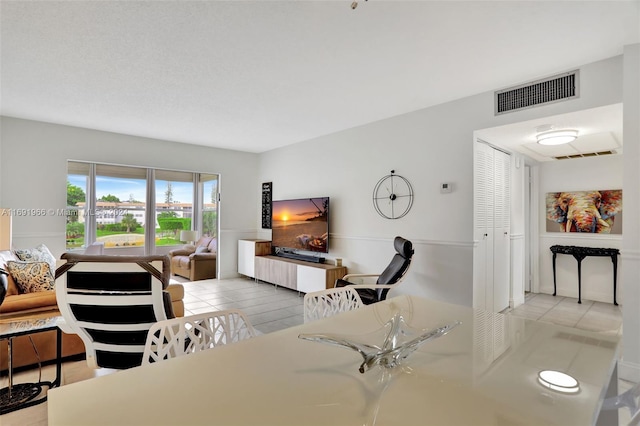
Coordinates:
<point>403,247</point>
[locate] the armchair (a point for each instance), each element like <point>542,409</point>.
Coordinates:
<point>111,302</point>
<point>388,279</point>
<point>195,261</point>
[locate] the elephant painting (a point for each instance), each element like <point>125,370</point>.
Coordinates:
<point>584,211</point>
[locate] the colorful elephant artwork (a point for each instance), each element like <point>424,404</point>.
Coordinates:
<point>584,211</point>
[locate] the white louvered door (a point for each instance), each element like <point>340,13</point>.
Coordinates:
<point>492,204</point>
<point>483,228</point>
<point>501,225</point>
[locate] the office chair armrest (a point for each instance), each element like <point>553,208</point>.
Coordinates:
<point>373,286</point>
<point>344,281</point>
<point>346,277</point>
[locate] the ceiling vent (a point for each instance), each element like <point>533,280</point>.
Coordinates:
<point>586,154</point>
<point>560,87</point>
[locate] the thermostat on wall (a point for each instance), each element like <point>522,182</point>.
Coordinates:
<point>445,188</point>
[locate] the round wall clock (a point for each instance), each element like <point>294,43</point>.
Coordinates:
<point>393,196</point>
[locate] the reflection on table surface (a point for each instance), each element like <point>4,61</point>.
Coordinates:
<point>484,371</point>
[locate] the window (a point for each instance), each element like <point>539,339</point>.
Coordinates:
<point>120,208</point>
<point>209,207</point>
<point>174,206</point>
<point>77,182</point>
<point>109,203</point>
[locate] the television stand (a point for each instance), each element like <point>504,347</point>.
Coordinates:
<point>255,261</point>
<point>304,257</point>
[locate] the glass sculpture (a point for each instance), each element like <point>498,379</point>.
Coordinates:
<point>399,340</point>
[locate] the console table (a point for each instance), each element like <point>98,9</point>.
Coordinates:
<point>580,253</point>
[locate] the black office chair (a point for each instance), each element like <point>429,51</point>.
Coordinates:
<point>388,279</point>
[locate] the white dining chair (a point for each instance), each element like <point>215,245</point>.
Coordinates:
<point>194,333</point>
<point>329,302</point>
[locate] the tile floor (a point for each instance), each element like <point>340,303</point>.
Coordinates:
<point>270,309</point>
<point>566,311</point>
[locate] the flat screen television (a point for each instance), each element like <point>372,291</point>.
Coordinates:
<point>301,224</point>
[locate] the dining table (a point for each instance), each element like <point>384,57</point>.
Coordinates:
<point>486,369</point>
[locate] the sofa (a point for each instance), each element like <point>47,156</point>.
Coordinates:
<point>42,303</point>
<point>195,261</point>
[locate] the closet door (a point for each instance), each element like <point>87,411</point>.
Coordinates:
<point>492,204</point>
<point>501,230</point>
<point>483,227</point>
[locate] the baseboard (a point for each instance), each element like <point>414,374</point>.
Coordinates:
<point>629,371</point>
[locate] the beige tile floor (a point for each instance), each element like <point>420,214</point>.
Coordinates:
<point>566,311</point>
<point>271,309</point>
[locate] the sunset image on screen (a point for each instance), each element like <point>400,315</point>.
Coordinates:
<point>301,224</point>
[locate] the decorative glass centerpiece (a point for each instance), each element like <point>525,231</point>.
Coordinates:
<point>399,340</point>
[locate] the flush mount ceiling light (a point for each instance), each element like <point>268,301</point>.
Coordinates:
<point>558,381</point>
<point>556,137</point>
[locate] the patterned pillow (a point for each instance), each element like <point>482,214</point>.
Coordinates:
<point>31,277</point>
<point>38,254</point>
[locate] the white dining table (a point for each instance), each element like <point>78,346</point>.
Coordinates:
<point>483,372</point>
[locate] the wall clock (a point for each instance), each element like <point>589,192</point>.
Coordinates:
<point>393,196</point>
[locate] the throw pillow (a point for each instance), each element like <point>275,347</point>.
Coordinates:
<point>31,276</point>
<point>38,254</point>
<point>202,250</point>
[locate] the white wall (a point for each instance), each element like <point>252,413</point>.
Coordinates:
<point>582,174</point>
<point>630,254</point>
<point>33,173</point>
<point>517,235</point>
<point>428,147</point>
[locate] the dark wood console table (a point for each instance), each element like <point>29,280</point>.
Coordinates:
<point>580,253</point>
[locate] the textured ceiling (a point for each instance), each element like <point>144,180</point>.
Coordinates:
<point>256,75</point>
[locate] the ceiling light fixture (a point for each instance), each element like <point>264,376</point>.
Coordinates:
<point>556,137</point>
<point>558,381</point>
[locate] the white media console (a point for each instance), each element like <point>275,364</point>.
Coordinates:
<point>255,261</point>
